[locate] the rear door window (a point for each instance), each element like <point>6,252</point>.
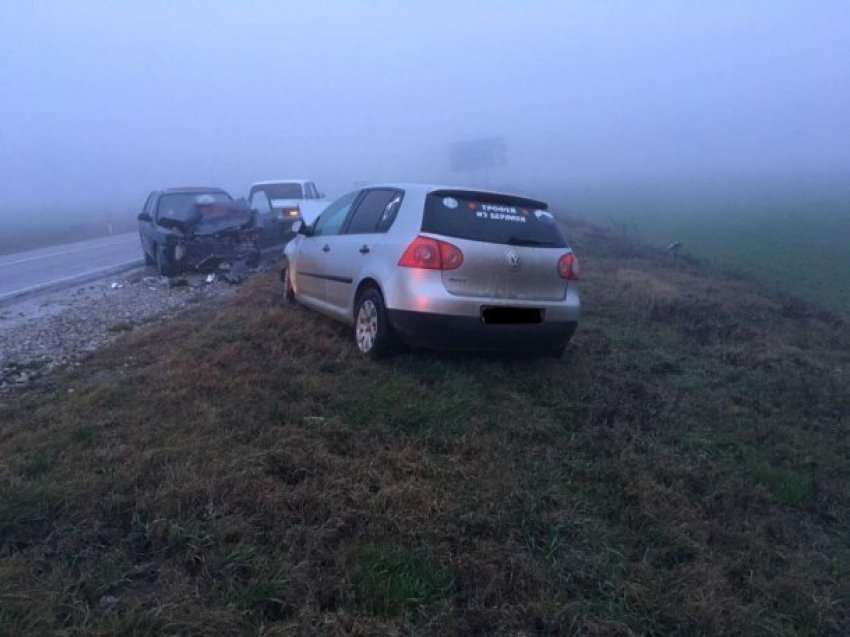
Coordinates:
<point>390,212</point>
<point>491,218</point>
<point>374,208</point>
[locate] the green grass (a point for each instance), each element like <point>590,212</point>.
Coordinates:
<point>793,236</point>
<point>791,487</point>
<point>390,580</point>
<point>682,470</point>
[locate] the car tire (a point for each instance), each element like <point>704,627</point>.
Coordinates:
<point>372,333</point>
<point>288,291</point>
<point>163,267</point>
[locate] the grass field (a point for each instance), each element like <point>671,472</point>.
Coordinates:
<point>793,236</point>
<point>682,470</point>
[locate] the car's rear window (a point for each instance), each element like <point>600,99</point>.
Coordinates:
<point>492,218</point>
<point>284,191</point>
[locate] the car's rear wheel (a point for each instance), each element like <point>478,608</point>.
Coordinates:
<point>372,332</point>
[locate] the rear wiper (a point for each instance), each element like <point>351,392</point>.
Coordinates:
<point>516,241</point>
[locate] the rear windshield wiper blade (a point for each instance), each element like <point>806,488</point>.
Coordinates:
<point>516,241</point>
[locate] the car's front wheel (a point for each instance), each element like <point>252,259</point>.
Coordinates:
<point>288,290</point>
<point>372,332</point>
<point>163,266</point>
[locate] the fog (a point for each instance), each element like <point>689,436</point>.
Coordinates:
<point>102,102</point>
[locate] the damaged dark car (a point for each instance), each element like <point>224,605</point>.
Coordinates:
<point>196,230</point>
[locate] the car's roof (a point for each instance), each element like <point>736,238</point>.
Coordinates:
<point>192,190</point>
<point>272,182</point>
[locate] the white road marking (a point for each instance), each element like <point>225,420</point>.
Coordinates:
<point>34,288</point>
<point>61,254</point>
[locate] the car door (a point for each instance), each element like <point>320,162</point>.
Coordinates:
<point>268,223</point>
<point>359,242</point>
<point>146,228</point>
<point>310,267</point>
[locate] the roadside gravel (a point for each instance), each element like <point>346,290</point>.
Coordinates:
<point>56,329</point>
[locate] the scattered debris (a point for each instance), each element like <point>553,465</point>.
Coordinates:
<point>210,278</point>
<point>108,602</point>
<point>20,373</point>
<point>116,286</point>
<point>176,282</point>
<point>236,273</point>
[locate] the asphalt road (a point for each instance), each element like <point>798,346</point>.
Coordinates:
<point>28,272</point>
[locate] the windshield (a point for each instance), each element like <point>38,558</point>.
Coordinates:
<point>184,211</point>
<point>491,218</point>
<point>183,206</point>
<point>222,216</point>
<point>284,191</point>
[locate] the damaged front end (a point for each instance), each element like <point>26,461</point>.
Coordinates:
<point>206,253</point>
<point>224,235</point>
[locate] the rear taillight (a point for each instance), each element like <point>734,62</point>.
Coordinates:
<point>568,267</point>
<point>430,254</point>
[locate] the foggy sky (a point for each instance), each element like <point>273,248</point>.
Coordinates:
<point>101,102</point>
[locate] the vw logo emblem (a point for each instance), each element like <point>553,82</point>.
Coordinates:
<point>514,261</point>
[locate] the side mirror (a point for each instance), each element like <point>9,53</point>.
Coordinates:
<point>144,216</point>
<point>298,227</point>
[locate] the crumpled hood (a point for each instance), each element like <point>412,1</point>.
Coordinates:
<point>214,226</point>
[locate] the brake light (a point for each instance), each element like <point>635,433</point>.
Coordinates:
<point>431,254</point>
<point>568,267</point>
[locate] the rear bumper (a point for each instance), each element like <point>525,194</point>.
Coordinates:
<point>471,333</point>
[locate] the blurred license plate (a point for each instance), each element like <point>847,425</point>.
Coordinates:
<point>511,315</point>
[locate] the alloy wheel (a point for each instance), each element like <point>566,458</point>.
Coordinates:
<point>367,326</point>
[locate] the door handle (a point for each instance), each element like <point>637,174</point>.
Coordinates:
<point>364,250</point>
<point>326,248</point>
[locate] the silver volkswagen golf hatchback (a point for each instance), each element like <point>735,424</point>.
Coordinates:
<point>438,267</point>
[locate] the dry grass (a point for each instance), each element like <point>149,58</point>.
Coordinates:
<point>682,471</point>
